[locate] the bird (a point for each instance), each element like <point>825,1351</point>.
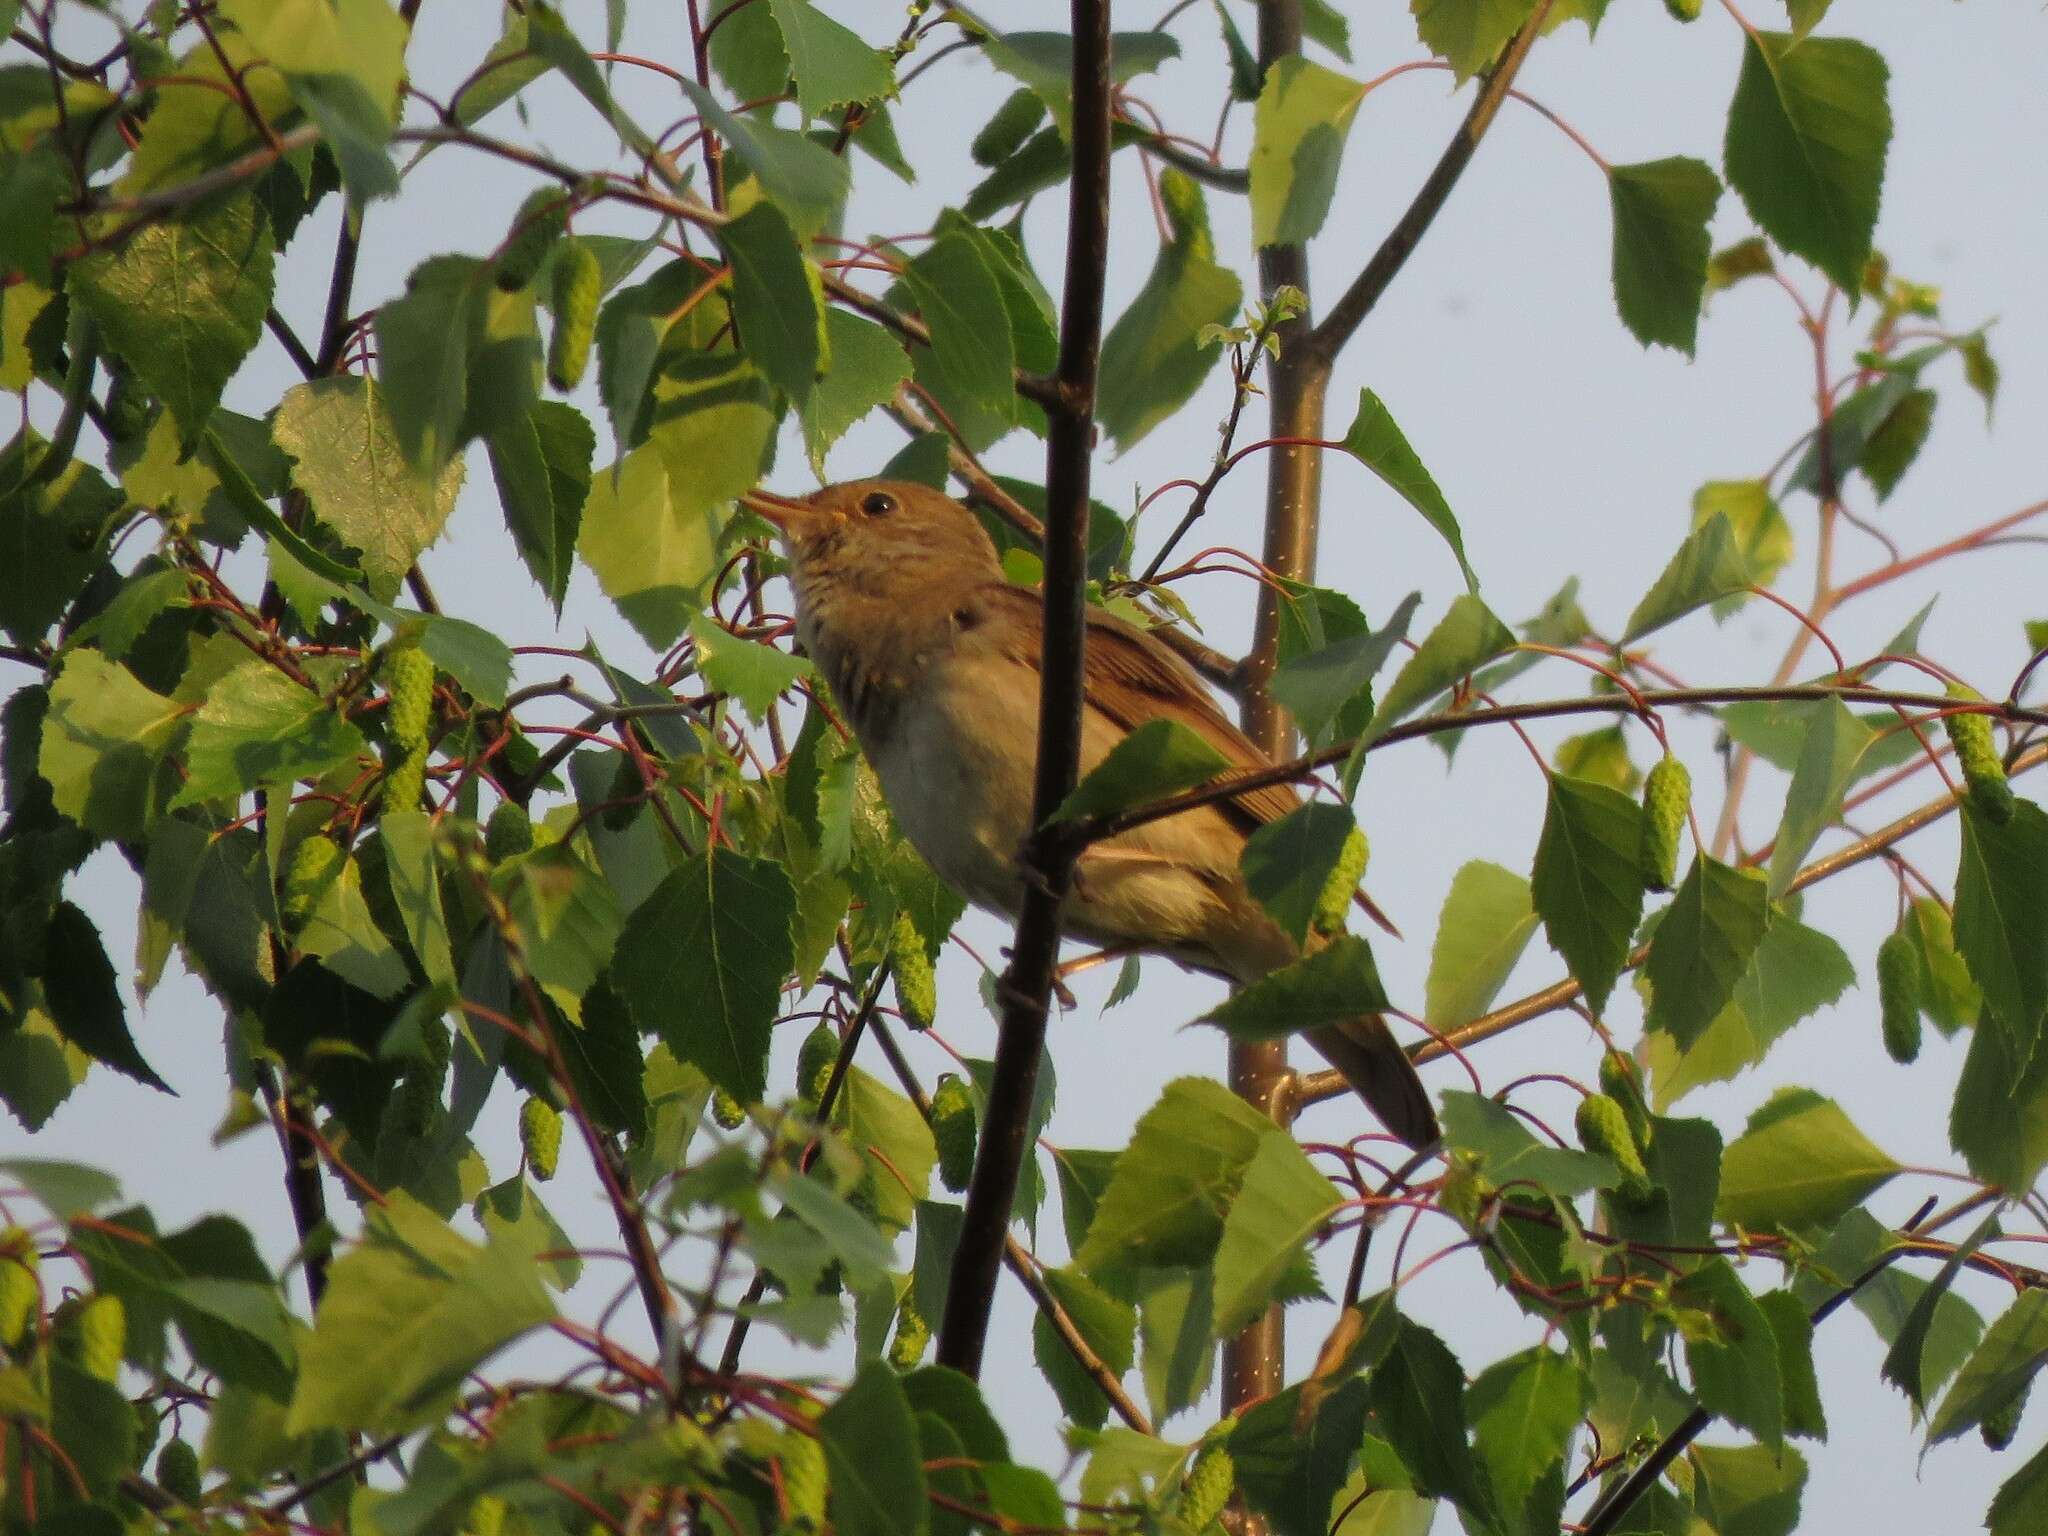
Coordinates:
<point>933,656</point>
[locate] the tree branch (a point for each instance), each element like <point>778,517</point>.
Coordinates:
<point>1365,291</point>
<point>1048,858</point>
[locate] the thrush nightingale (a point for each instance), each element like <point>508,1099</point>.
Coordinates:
<point>933,656</point>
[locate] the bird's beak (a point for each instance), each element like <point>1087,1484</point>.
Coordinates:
<point>783,511</point>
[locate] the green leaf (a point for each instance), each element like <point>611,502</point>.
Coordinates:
<point>1731,1351</point>
<point>1524,1411</point>
<point>353,469</point>
<point>1418,1398</point>
<point>896,1146</point>
<point>1154,358</point>
<point>1828,764</point>
<point>1855,423</point>
<point>1999,1120</point>
<point>1508,1152</point>
<point>260,727</point>
<point>1293,1454</point>
<point>1177,1354</point>
<point>198,121</point>
<point>1173,1183</point>
<point>1468,32</point>
<point>1464,640</point>
<point>1661,212</point>
<point>542,469</point>
<point>1326,681</point>
<point>1709,565</point>
<point>1801,1163</point>
<point>1748,1490</point>
<point>1159,758</point>
<point>831,65</point>
<point>51,536</point>
<point>850,1237</point>
<point>868,363</point>
<point>2021,1505</point>
<point>1377,443</point>
<point>182,303</point>
<point>1281,1204</point>
<point>63,1189</point>
<point>969,365</point>
<point>1897,442</point>
<point>82,999</point>
<point>2000,1370</point>
<point>1588,883</point>
<point>1044,61</point>
<point>713,419</point>
<point>408,1313</point>
<point>776,302</point>
<point>1337,982</point>
<point>2001,923</point>
<point>1760,529</point>
<point>1795,972</point>
<point>701,964</point>
<point>1286,863</point>
<point>104,741</point>
<point>1794,1331</point>
<point>1904,1364</point>
<point>754,673</point>
<point>411,873</point>
<point>343,933</point>
<point>807,182</point>
<point>1948,995</point>
<point>1107,1325</point>
<point>1487,920</point>
<point>1807,136</point>
<point>1703,946</point>
<point>1302,118</point>
<point>423,358</point>
<point>1601,756</point>
<point>870,1442</point>
<point>651,557</point>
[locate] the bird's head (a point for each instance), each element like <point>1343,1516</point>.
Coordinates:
<point>878,534</point>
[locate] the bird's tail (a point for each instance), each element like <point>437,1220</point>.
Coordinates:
<point>1373,1063</point>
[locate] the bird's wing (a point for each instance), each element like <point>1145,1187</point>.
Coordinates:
<point>1135,680</point>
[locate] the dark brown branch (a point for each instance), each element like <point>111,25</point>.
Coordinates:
<point>1022,1264</point>
<point>1254,1362</point>
<point>1048,857</point>
<point>1365,291</point>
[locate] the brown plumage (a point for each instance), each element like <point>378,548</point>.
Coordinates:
<point>934,656</point>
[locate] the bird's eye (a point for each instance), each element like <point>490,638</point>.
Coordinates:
<point>878,503</point>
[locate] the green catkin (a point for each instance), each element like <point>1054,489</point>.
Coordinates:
<point>316,864</point>
<point>101,1334</point>
<point>177,1472</point>
<point>578,285</point>
<point>1683,10</point>
<point>1898,995</point>
<point>1602,1125</point>
<point>953,1129</point>
<point>409,681</point>
<point>535,228</point>
<point>508,833</point>
<point>1333,907</point>
<point>814,1059</point>
<point>405,780</point>
<point>1006,132</point>
<point>1667,799</point>
<point>1977,755</point>
<point>913,1334</point>
<point>917,988</point>
<point>540,1136</point>
<point>20,1295</point>
<point>486,1516</point>
<point>727,1111</point>
<point>1619,1082</point>
<point>1207,1487</point>
<point>1998,1429</point>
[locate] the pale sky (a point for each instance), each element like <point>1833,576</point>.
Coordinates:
<point>1565,449</point>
